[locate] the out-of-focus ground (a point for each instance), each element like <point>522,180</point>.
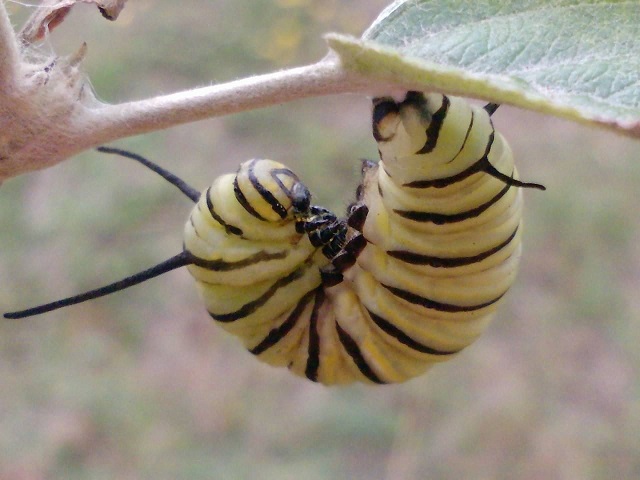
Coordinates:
<point>142,384</point>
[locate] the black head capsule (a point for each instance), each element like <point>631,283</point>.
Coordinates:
<point>300,199</point>
<point>301,204</point>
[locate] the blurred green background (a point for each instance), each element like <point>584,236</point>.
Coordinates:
<point>142,384</point>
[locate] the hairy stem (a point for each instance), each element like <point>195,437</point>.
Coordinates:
<point>39,135</point>
<point>9,52</point>
<point>111,122</point>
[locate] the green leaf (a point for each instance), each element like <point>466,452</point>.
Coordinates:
<point>576,59</point>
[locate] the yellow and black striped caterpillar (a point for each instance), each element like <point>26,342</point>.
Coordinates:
<point>408,278</point>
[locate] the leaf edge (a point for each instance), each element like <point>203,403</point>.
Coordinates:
<point>385,64</point>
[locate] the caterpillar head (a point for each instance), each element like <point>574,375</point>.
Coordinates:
<point>270,191</point>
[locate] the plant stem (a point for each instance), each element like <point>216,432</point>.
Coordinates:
<point>110,122</point>
<point>9,52</point>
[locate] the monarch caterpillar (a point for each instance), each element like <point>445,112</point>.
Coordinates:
<point>410,277</point>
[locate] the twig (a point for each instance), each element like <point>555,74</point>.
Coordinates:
<point>44,136</point>
<point>9,52</point>
<point>51,13</point>
<point>111,122</point>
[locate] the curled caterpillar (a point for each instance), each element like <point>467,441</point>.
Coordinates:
<point>410,277</point>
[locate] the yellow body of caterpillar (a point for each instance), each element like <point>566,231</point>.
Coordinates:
<point>410,277</point>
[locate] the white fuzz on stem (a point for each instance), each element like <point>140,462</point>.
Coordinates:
<point>48,111</point>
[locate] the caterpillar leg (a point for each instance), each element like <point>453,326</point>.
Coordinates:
<point>324,229</point>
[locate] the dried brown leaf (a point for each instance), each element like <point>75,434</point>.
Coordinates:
<point>52,13</point>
